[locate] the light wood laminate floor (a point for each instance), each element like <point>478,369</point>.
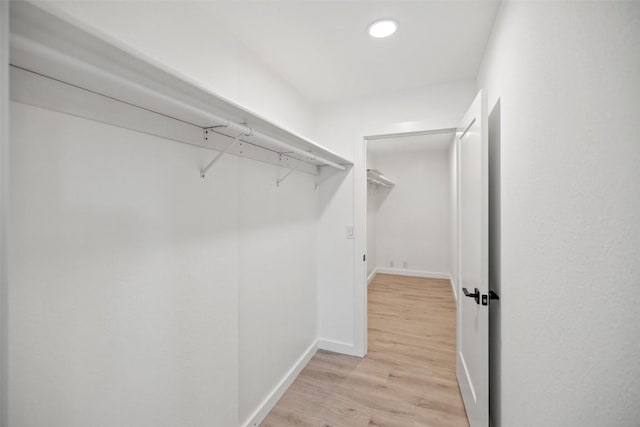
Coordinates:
<point>407,378</point>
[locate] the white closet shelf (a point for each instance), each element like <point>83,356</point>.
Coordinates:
<point>377,178</point>
<point>59,63</point>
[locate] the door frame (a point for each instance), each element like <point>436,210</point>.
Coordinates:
<point>388,130</point>
<point>4,201</point>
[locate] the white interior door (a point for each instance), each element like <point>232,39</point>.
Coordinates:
<point>473,218</point>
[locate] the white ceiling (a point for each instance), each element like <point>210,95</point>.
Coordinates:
<point>322,47</point>
<point>380,147</point>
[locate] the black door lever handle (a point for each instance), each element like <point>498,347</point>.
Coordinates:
<point>475,295</point>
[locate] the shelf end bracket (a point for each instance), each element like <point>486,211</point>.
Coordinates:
<point>204,170</point>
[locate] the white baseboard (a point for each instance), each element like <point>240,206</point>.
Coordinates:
<point>413,273</point>
<point>338,347</point>
<point>270,401</point>
<point>453,288</point>
<point>372,276</point>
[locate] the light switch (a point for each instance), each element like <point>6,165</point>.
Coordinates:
<point>349,231</point>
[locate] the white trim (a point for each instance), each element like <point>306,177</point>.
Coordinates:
<point>372,276</point>
<point>467,384</point>
<point>453,288</point>
<point>4,204</point>
<point>413,273</point>
<point>360,318</point>
<point>339,347</point>
<point>270,401</point>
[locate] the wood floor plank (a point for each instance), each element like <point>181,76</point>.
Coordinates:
<point>407,379</point>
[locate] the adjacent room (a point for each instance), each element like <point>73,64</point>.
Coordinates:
<point>410,205</point>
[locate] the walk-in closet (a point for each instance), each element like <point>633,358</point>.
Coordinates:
<point>286,213</point>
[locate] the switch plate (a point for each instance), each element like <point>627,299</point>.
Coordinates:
<point>349,231</point>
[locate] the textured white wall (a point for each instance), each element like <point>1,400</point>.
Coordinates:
<point>413,226</point>
<point>567,77</point>
<point>338,125</point>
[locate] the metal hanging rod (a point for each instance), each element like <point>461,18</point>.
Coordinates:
<point>129,86</point>
<point>245,131</point>
<point>258,136</point>
<point>376,177</point>
<point>376,182</point>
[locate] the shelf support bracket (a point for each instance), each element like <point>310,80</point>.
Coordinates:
<point>287,174</point>
<point>204,170</point>
<point>316,178</point>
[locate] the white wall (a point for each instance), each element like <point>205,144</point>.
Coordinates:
<point>453,203</point>
<point>188,269</point>
<point>372,208</point>
<point>137,285</point>
<point>186,37</point>
<point>277,293</point>
<point>338,125</point>
<point>413,226</point>
<point>123,278</point>
<point>567,77</point>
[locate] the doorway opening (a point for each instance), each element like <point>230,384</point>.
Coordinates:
<point>411,220</point>
<point>411,205</point>
<point>363,269</point>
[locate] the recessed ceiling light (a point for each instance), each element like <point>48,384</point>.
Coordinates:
<point>382,28</point>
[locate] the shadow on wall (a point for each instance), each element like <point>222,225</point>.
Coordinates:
<point>381,195</point>
<point>495,316</point>
<point>329,181</point>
